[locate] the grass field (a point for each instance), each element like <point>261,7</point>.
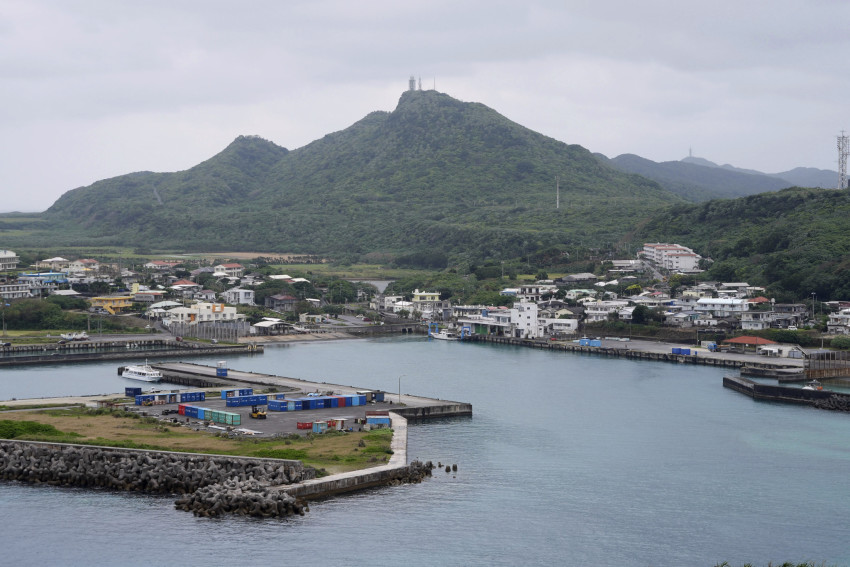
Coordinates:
<point>328,453</point>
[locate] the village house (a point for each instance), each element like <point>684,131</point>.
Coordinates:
<point>83,265</point>
<point>149,296</point>
<point>536,292</point>
<point>428,303</point>
<point>722,307</point>
<point>161,265</point>
<point>600,310</point>
<point>231,270</point>
<point>112,304</point>
<point>281,303</point>
<point>839,323</point>
<point>57,264</point>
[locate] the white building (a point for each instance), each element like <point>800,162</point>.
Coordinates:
<point>523,318</point>
<point>599,310</point>
<point>722,307</point>
<point>8,260</point>
<point>239,296</point>
<point>839,323</point>
<point>672,257</point>
<point>202,313</point>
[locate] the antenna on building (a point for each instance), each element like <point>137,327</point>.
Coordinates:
<point>843,150</point>
<point>557,192</point>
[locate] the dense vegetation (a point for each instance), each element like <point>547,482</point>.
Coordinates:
<point>434,180</point>
<point>793,241</point>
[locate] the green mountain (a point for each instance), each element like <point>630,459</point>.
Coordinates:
<point>794,241</point>
<point>435,174</point>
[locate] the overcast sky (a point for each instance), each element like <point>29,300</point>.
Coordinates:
<point>99,88</point>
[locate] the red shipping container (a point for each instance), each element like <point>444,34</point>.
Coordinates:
<point>181,409</point>
<point>341,401</point>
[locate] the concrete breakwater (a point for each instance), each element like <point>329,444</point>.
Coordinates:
<point>226,484</point>
<point>115,350</point>
<point>210,485</point>
<point>822,399</point>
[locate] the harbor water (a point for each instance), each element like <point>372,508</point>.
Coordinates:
<point>568,459</point>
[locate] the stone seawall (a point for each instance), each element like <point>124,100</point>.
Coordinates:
<point>213,484</point>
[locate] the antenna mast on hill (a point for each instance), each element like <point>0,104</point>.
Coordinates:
<point>557,192</point>
<point>843,151</point>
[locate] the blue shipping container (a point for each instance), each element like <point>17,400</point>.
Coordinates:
<point>379,396</point>
<point>132,392</point>
<point>686,351</point>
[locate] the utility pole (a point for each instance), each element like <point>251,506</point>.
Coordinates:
<point>843,151</point>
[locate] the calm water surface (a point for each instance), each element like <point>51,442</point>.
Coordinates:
<point>568,460</point>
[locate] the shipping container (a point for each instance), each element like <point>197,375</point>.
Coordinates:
<point>677,350</point>
<point>132,392</point>
<point>379,396</point>
<point>304,425</point>
<point>686,351</point>
<point>181,409</point>
<point>221,368</point>
<point>277,405</point>
<point>320,426</point>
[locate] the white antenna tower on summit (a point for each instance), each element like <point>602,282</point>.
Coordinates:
<point>843,151</point>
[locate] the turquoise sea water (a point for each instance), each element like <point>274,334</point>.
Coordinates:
<point>568,460</point>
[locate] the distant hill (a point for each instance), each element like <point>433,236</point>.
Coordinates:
<point>797,177</point>
<point>696,182</point>
<point>698,179</point>
<point>809,177</point>
<point>793,240</point>
<point>436,174</point>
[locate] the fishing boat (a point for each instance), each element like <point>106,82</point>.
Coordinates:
<point>445,335</point>
<point>813,385</point>
<point>142,372</point>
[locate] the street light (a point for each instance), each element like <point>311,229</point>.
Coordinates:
<point>399,387</point>
<point>813,307</point>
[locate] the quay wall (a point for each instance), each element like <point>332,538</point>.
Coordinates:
<point>74,352</point>
<point>609,351</point>
<point>421,413</point>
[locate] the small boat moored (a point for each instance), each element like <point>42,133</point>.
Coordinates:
<point>813,385</point>
<point>142,372</point>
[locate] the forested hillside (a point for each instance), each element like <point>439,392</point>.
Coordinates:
<point>795,241</point>
<point>436,174</point>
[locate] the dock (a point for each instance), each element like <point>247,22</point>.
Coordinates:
<point>410,407</point>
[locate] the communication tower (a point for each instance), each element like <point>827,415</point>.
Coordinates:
<point>412,83</point>
<point>843,151</point>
